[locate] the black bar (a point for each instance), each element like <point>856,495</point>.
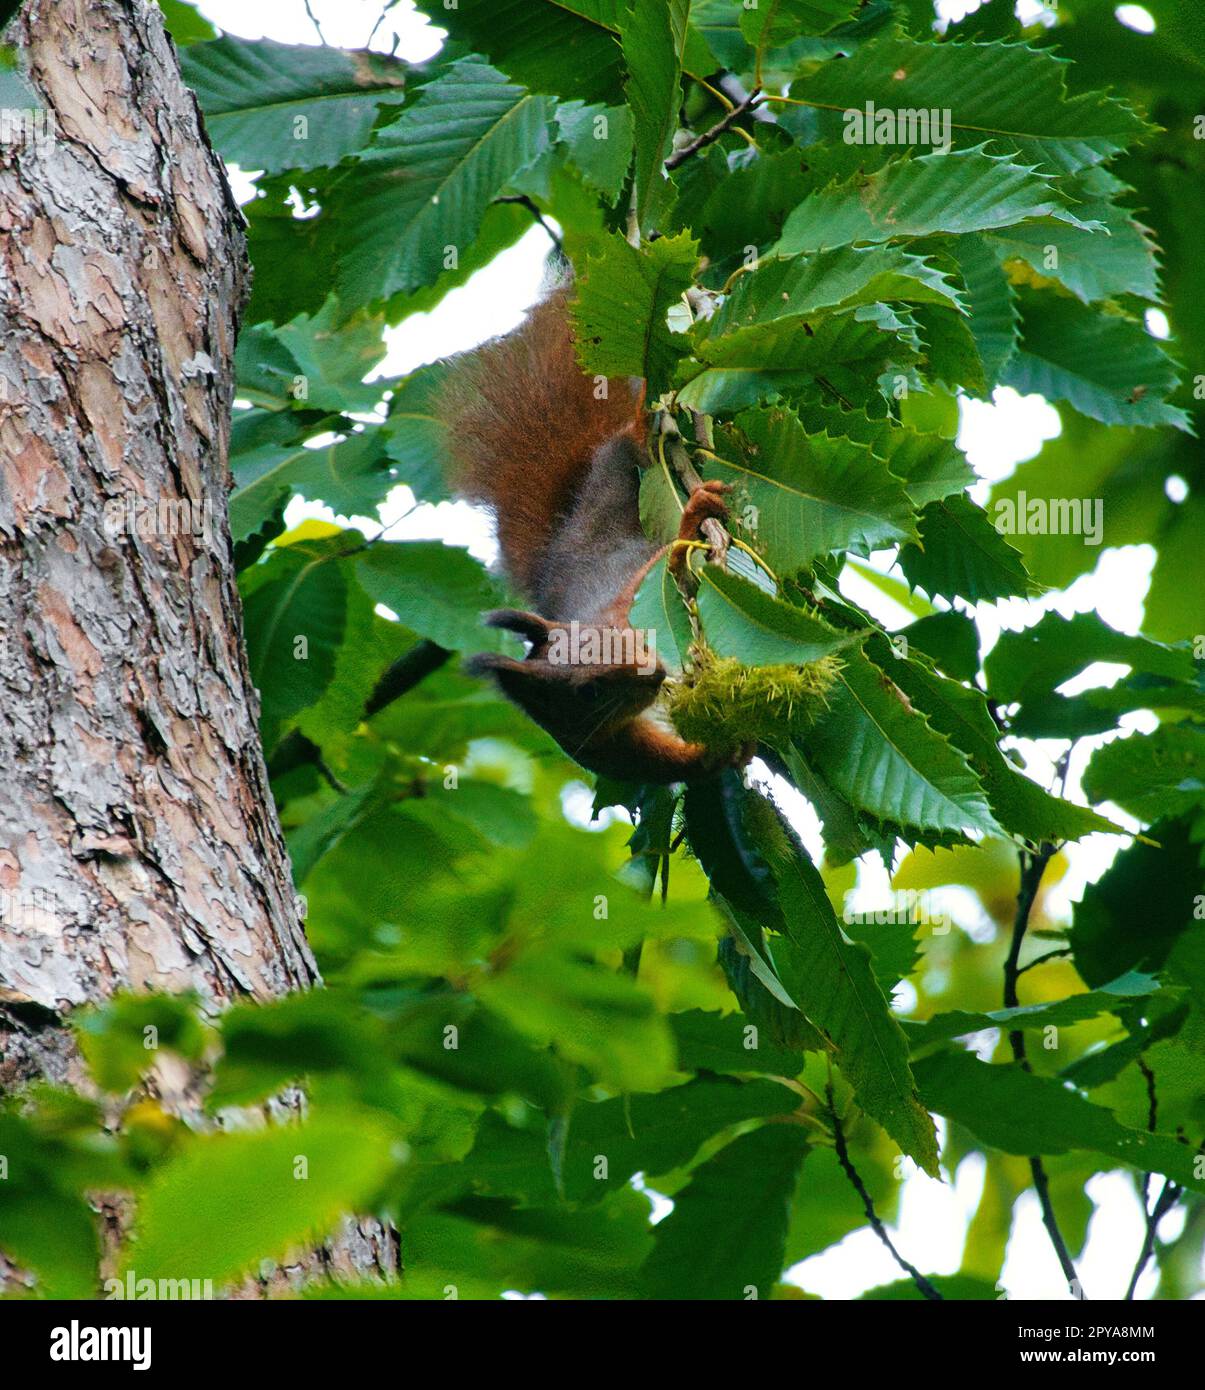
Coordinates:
<point>207,1340</point>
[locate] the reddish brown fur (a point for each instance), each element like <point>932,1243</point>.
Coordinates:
<point>523,424</point>
<point>560,470</point>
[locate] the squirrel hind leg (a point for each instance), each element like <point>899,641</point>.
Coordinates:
<point>705,501</point>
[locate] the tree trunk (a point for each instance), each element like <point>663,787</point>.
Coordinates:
<point>139,845</point>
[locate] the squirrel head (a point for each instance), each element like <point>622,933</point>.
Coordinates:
<point>577,682</point>
<point>629,686</point>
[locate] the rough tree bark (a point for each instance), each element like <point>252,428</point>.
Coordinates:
<point>139,846</point>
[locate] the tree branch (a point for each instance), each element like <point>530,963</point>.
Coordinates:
<point>730,86</point>
<point>715,531</point>
<point>872,1216</point>
<point>1033,866</point>
<point>709,137</point>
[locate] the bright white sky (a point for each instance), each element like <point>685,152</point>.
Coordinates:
<point>996,437</point>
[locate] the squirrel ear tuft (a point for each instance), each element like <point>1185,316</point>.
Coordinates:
<point>529,625</point>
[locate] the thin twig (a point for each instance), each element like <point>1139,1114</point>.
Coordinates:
<point>1167,1199</point>
<point>314,22</point>
<point>709,137</point>
<point>1033,866</point>
<point>524,201</point>
<point>1152,1121</point>
<point>334,782</point>
<point>872,1216</point>
<point>380,20</point>
<point>1041,960</point>
<point>1062,769</point>
<point>719,95</point>
<point>1169,1195</point>
<point>1152,1117</point>
<point>732,92</point>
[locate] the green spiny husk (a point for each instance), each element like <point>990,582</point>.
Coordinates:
<point>724,704</point>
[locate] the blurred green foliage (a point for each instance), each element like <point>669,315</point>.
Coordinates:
<point>529,1024</point>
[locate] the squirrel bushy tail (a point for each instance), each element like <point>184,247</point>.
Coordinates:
<point>523,423</point>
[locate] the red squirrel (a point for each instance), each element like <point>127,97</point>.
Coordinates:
<point>559,469</point>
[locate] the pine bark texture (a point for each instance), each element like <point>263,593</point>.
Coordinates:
<point>139,845</point>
